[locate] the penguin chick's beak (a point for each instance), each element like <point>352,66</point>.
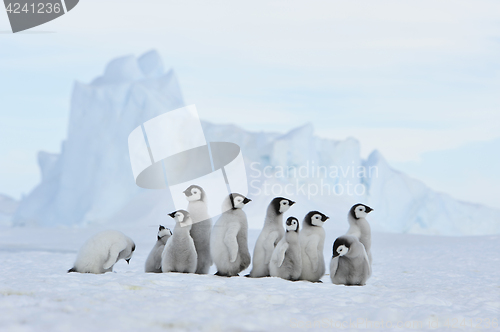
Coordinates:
<point>368,209</point>
<point>187,193</point>
<point>128,261</point>
<point>325,218</point>
<point>246,200</point>
<point>172,214</point>
<point>335,254</point>
<point>292,203</point>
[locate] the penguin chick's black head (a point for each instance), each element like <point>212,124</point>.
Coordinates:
<point>360,210</point>
<point>161,227</point>
<point>184,212</point>
<point>315,218</point>
<point>281,204</point>
<point>341,246</point>
<point>189,191</point>
<point>163,232</point>
<point>292,224</point>
<point>237,199</point>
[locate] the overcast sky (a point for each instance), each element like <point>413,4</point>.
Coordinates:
<point>417,80</point>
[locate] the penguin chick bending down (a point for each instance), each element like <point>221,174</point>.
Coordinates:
<point>286,261</point>
<point>312,241</point>
<point>100,253</point>
<point>359,226</point>
<point>201,228</point>
<point>349,265</point>
<point>153,263</point>
<point>229,242</point>
<point>271,234</point>
<point>179,254</point>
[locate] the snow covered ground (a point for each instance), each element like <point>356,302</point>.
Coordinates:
<point>416,280</point>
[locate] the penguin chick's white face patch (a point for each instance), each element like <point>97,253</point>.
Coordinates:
<point>360,212</point>
<point>164,232</point>
<point>284,205</point>
<point>293,225</point>
<point>316,220</point>
<point>195,195</point>
<point>342,250</point>
<point>179,216</point>
<point>238,202</point>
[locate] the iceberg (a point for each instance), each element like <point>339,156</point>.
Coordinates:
<point>8,207</point>
<point>91,181</point>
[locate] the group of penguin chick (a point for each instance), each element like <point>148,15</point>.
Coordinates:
<point>279,252</point>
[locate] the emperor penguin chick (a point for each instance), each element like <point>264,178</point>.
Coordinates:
<point>153,263</point>
<point>100,253</point>
<point>312,241</point>
<point>359,226</point>
<point>229,242</point>
<point>201,228</point>
<point>286,261</point>
<point>349,265</point>
<point>271,234</point>
<point>179,254</point>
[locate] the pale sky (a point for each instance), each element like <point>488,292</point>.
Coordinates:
<point>417,80</point>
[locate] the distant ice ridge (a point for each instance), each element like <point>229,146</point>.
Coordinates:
<point>91,180</point>
<point>8,207</point>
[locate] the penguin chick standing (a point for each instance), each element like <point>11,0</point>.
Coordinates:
<point>286,261</point>
<point>229,242</point>
<point>179,254</point>
<point>349,265</point>
<point>359,226</point>
<point>201,228</point>
<point>153,263</point>
<point>100,253</point>
<point>271,234</point>
<point>312,241</point>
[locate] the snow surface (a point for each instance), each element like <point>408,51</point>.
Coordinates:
<point>91,182</point>
<point>415,279</point>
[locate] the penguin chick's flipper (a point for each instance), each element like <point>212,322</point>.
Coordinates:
<point>231,242</point>
<point>73,269</point>
<point>334,265</point>
<point>269,246</point>
<point>312,252</point>
<point>281,253</point>
<point>114,251</point>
